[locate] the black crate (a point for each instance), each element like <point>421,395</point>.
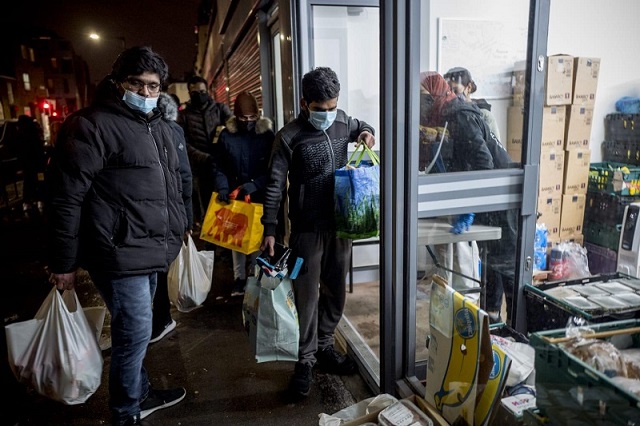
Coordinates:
<point>545,312</point>
<point>619,127</point>
<point>621,152</point>
<point>602,260</point>
<point>607,209</point>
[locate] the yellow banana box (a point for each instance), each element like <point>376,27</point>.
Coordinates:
<point>460,355</point>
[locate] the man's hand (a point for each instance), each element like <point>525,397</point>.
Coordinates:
<point>63,281</point>
<point>367,138</point>
<point>270,242</point>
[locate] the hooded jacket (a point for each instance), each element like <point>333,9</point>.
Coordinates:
<point>307,158</point>
<point>243,158</point>
<point>116,204</point>
<point>200,125</point>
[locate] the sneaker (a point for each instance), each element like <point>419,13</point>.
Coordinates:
<point>494,318</point>
<point>332,361</point>
<point>301,380</point>
<point>157,399</point>
<point>158,334</point>
<point>238,287</point>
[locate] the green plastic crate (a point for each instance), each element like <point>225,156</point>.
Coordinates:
<point>614,178</point>
<point>602,235</point>
<point>571,392</point>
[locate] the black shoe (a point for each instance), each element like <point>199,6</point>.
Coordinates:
<point>332,361</point>
<point>158,399</point>
<point>300,384</point>
<point>131,421</point>
<point>159,332</point>
<point>238,287</point>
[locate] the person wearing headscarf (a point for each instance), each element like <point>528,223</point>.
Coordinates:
<point>466,134</point>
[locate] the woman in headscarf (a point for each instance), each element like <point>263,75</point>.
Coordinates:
<point>466,132</point>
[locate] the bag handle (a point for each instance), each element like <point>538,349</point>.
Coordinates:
<point>360,155</point>
<point>234,195</point>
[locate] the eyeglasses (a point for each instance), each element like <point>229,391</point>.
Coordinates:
<point>248,117</point>
<point>137,85</point>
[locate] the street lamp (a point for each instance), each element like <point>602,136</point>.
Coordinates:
<point>95,36</point>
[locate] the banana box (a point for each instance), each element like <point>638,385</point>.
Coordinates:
<point>461,358</point>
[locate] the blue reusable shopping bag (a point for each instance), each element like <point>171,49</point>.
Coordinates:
<point>357,196</point>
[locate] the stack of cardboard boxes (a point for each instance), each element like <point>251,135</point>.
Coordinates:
<point>570,89</point>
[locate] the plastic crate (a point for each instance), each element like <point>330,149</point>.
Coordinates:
<point>546,312</point>
<point>602,260</point>
<point>607,209</point>
<point>602,235</point>
<point>614,178</point>
<point>569,391</point>
<point>621,152</point>
<point>619,127</point>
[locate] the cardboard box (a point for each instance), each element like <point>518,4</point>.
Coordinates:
<point>551,173</point>
<point>579,122</point>
<point>553,127</point>
<point>515,129</point>
<point>576,171</point>
<point>549,209</point>
<point>460,354</point>
<point>572,215</point>
<point>559,80</point>
<point>585,80</point>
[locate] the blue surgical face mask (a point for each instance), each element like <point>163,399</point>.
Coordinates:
<point>138,102</point>
<point>322,120</point>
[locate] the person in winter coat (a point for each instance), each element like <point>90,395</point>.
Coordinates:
<point>163,324</point>
<point>117,211</point>
<point>243,162</point>
<point>468,150</point>
<point>475,147</point>
<point>306,154</point>
<point>462,84</point>
<point>202,120</point>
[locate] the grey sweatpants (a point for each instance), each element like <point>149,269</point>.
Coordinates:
<point>320,289</point>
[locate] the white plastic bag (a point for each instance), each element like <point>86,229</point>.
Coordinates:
<point>189,277</point>
<point>57,353</point>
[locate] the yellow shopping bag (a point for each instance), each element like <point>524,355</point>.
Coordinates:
<point>235,225</point>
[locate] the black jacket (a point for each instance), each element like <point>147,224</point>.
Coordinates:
<point>243,158</point>
<point>467,135</point>
<point>116,204</point>
<point>308,158</point>
<point>200,124</point>
<point>185,170</point>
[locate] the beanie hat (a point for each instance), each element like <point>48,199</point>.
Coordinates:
<point>462,76</point>
<point>245,104</point>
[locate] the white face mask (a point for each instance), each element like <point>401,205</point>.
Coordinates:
<point>322,120</point>
<point>140,103</point>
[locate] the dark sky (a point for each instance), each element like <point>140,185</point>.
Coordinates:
<point>165,25</point>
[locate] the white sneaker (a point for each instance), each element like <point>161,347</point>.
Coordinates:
<point>167,329</point>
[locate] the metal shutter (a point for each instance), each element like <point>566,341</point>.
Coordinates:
<point>244,67</point>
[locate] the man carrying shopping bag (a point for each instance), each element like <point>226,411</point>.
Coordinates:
<point>306,154</point>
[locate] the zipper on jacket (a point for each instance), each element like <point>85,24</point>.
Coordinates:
<point>166,189</point>
<point>333,155</point>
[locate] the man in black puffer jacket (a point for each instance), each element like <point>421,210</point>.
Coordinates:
<point>202,120</point>
<point>117,211</point>
<point>306,153</point>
